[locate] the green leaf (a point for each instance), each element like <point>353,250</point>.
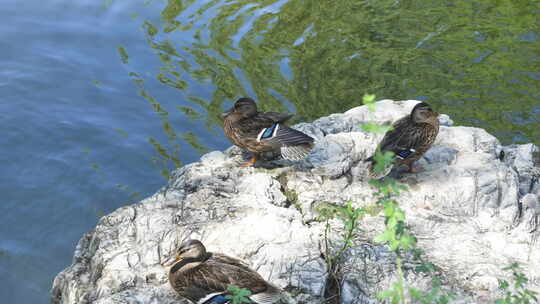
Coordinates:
<point>369,100</point>
<point>503,284</point>
<point>531,293</point>
<point>383,237</point>
<point>399,214</point>
<point>389,210</point>
<point>394,245</point>
<point>511,266</point>
<point>375,128</point>
<point>383,161</point>
<point>239,295</point>
<point>407,241</point>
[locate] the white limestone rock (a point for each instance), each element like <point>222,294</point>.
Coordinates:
<point>474,208</point>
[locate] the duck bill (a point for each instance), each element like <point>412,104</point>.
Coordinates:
<point>171,261</point>
<point>226,113</point>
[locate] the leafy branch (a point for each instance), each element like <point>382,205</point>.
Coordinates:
<point>520,294</point>
<point>350,218</point>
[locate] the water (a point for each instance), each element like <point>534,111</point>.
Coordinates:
<point>475,60</point>
<point>76,130</point>
<point>57,124</point>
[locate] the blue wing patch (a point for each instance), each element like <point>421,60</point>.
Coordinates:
<point>218,299</point>
<point>402,154</point>
<point>268,132</point>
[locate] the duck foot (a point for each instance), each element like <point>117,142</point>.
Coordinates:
<point>251,162</point>
<point>414,168</point>
<point>246,155</point>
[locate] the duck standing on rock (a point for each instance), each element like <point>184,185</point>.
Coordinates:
<point>410,137</point>
<point>203,277</point>
<point>258,132</point>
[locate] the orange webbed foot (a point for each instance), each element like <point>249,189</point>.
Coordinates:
<point>251,162</point>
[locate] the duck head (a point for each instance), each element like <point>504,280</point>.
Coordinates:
<point>191,252</point>
<point>423,113</point>
<point>243,107</point>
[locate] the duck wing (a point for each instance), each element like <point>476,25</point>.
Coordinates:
<point>402,140</point>
<point>250,127</point>
<point>269,129</point>
<point>278,132</point>
<point>272,293</point>
<point>221,258</point>
<point>216,277</point>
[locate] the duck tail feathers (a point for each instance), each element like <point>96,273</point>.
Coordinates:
<point>269,298</point>
<point>296,152</point>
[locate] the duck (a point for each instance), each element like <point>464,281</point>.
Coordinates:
<point>259,132</point>
<point>203,277</point>
<point>410,137</point>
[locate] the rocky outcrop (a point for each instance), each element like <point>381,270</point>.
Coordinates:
<point>474,208</point>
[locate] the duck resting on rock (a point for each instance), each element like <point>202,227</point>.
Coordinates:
<point>259,132</point>
<point>203,277</point>
<point>410,137</point>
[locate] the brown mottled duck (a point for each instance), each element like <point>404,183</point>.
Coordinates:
<point>203,277</point>
<point>410,137</point>
<point>259,132</point>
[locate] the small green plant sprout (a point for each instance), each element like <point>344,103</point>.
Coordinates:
<point>238,295</point>
<point>369,101</point>
<point>350,217</point>
<point>516,293</point>
<point>435,295</point>
<point>396,234</point>
<point>383,161</point>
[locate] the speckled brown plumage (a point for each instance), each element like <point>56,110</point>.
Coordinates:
<point>245,127</point>
<point>197,274</point>
<point>411,135</point>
